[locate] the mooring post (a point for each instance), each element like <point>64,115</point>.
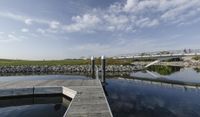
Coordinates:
<point>93,67</point>
<point>103,69</point>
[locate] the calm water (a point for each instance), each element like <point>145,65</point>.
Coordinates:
<point>132,98</point>
<point>171,73</point>
<point>129,98</point>
<point>52,106</point>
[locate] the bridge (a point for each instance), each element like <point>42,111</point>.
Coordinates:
<point>167,55</point>
<point>162,57</point>
<point>159,54</point>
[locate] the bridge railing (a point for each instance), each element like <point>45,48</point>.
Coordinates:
<point>167,55</point>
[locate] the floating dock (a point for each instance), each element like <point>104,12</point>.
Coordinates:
<point>88,97</point>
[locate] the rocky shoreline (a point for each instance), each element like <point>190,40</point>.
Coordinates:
<point>86,68</point>
<point>64,68</point>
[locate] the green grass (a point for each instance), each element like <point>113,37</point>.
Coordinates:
<point>8,62</point>
<point>196,58</point>
<point>5,62</point>
<point>111,61</point>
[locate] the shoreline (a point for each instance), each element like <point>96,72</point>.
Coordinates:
<point>64,68</point>
<point>86,68</point>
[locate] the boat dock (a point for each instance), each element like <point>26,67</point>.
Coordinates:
<point>88,97</point>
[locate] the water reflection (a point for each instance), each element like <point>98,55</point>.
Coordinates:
<point>164,70</point>
<point>197,70</point>
<point>169,73</point>
<point>129,98</point>
<point>38,106</point>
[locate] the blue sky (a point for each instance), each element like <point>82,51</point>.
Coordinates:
<point>59,29</point>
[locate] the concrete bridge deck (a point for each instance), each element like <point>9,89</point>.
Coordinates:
<point>88,98</point>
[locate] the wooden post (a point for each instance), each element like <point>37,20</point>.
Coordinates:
<point>103,69</point>
<point>93,67</point>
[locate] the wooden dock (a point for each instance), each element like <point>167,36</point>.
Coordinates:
<point>88,98</point>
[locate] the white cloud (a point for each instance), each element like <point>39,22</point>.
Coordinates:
<point>54,24</point>
<point>136,14</point>
<point>130,5</point>
<point>146,22</point>
<point>83,23</point>
<point>10,37</point>
<point>136,6</point>
<point>12,16</point>
<point>25,30</point>
<point>42,31</point>
<point>163,10</point>
<point>115,8</point>
<point>129,15</point>
<point>182,10</point>
<point>116,22</point>
<point>28,21</point>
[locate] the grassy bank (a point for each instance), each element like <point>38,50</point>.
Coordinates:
<point>196,58</point>
<point>8,62</point>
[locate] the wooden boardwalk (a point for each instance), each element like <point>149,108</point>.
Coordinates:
<point>88,98</point>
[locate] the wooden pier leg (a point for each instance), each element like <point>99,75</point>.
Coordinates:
<point>103,69</point>
<point>93,67</point>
